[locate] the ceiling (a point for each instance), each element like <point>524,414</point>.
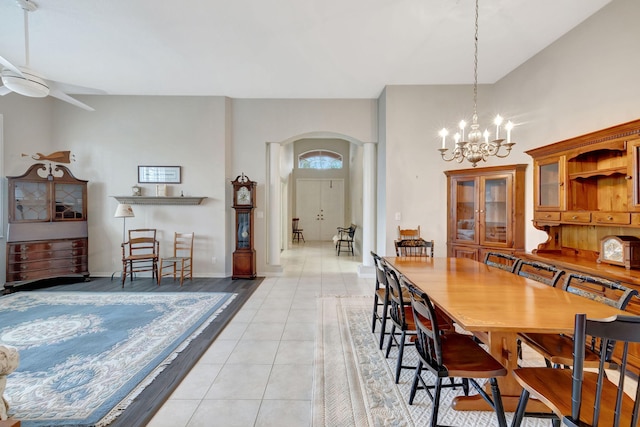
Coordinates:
<point>280,48</point>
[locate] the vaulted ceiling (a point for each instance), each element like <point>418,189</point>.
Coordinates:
<point>280,48</point>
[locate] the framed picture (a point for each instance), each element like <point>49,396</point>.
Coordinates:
<point>159,174</point>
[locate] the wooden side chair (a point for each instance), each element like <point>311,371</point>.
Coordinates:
<point>557,349</point>
<point>451,356</point>
<point>414,248</point>
<point>296,231</point>
<point>538,271</point>
<point>586,398</point>
<point>345,238</point>
<point>140,253</point>
<point>502,261</point>
<point>408,233</point>
<point>181,263</point>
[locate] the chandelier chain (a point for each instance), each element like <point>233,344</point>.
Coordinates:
<point>477,146</point>
<point>475,66</point>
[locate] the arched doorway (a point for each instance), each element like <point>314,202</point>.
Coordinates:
<point>361,183</point>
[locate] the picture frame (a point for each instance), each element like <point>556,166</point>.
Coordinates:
<point>159,174</point>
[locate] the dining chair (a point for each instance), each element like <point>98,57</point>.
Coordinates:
<point>380,299</point>
<point>557,349</point>
<point>140,253</point>
<point>345,238</point>
<point>451,355</point>
<point>182,257</point>
<point>583,397</point>
<point>401,318</point>
<point>408,233</point>
<point>414,248</point>
<point>502,261</point>
<point>538,271</point>
<point>296,231</point>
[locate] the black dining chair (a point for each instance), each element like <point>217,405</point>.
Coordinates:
<point>380,299</point>
<point>557,349</point>
<point>579,397</point>
<point>538,271</point>
<point>451,355</point>
<point>501,260</point>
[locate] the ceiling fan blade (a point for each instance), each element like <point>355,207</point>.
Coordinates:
<point>4,90</point>
<point>76,90</point>
<point>57,93</point>
<point>10,66</point>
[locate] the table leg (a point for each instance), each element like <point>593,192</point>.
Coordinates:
<point>502,346</point>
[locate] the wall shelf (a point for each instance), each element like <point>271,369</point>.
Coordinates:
<point>148,200</point>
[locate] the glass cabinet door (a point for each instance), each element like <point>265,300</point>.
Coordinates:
<point>465,208</point>
<point>31,203</point>
<point>550,184</point>
<point>244,228</point>
<point>69,201</point>
<point>494,210</point>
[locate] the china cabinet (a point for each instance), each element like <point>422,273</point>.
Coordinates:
<point>47,233</point>
<point>586,188</point>
<point>485,210</point>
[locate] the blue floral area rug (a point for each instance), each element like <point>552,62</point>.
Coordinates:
<point>85,356</point>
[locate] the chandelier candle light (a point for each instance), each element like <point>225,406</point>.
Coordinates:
<point>477,145</point>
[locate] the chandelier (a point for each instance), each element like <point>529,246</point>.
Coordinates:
<point>477,146</point>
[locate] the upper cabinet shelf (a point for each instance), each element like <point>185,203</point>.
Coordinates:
<point>147,200</point>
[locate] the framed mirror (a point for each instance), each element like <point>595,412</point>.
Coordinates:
<point>159,174</point>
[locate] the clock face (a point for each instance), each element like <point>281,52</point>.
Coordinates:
<point>243,197</point>
<point>612,250</point>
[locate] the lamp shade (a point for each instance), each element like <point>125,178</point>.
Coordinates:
<point>124,211</point>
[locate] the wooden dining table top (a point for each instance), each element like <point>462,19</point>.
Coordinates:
<point>483,298</point>
<point>496,305</point>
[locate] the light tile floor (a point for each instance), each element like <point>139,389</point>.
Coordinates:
<point>259,371</point>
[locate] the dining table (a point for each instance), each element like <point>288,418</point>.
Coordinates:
<point>495,305</point>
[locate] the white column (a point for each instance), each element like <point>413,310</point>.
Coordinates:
<point>368,209</point>
<point>273,209</point>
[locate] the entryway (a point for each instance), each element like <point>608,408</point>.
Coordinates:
<point>320,207</point>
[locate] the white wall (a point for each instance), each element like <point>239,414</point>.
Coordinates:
<point>585,81</point>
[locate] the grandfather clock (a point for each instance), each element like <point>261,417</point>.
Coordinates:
<point>244,201</point>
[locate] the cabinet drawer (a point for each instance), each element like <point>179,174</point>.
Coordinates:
<point>42,274</point>
<point>576,216</point>
<point>37,255</point>
<point>46,264</point>
<point>546,216</point>
<point>51,245</point>
<point>611,217</point>
<point>635,219</point>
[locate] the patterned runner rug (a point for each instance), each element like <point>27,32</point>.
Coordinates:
<point>353,382</point>
<point>84,356</point>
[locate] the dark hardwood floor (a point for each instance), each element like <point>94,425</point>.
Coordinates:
<point>145,405</point>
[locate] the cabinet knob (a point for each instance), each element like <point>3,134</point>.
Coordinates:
<point>547,216</point>
<point>610,218</point>
<point>628,177</point>
<point>574,217</point>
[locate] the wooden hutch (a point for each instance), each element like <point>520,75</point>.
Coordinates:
<point>485,211</point>
<point>586,188</point>
<point>47,235</point>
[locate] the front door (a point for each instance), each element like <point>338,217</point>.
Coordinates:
<point>320,207</point>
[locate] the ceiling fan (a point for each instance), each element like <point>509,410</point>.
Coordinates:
<point>24,81</point>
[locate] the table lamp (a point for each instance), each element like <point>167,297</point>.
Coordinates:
<point>124,211</point>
